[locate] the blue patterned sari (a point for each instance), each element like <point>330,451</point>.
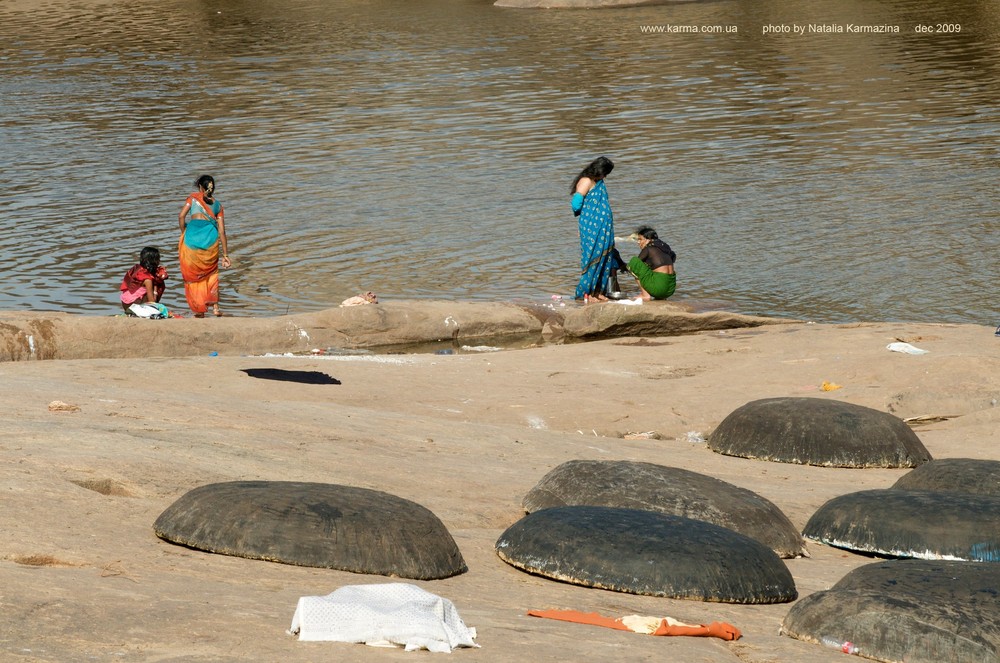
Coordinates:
<point>597,242</point>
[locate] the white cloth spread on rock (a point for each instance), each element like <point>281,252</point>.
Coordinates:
<point>905,347</point>
<point>383,615</point>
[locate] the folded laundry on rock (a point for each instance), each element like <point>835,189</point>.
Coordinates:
<point>643,624</point>
<point>360,300</point>
<point>392,614</point>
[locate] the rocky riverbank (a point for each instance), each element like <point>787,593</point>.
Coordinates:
<point>465,435</point>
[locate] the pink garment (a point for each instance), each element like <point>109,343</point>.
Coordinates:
<point>133,296</point>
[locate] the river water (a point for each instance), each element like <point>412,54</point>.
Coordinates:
<point>424,149</point>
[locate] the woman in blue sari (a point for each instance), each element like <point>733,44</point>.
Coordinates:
<point>598,258</point>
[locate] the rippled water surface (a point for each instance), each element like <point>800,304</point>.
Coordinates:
<point>425,148</point>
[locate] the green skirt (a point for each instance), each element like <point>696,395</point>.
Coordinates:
<point>657,284</point>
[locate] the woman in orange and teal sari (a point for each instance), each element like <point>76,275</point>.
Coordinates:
<point>201,237</point>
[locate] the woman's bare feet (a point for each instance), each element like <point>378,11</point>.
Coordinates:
<point>215,311</point>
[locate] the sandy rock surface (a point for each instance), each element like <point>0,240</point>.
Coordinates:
<point>64,336</point>
<point>83,577</point>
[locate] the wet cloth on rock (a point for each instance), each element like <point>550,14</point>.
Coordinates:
<point>360,300</point>
<point>383,615</point>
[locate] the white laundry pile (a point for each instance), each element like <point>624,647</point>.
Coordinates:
<point>151,310</point>
<point>383,616</point>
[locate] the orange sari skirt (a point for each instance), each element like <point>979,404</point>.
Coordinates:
<point>200,270</point>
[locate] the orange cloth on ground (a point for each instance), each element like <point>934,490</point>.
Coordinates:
<point>666,625</point>
<point>200,269</point>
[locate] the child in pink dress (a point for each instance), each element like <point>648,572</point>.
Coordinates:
<point>144,282</point>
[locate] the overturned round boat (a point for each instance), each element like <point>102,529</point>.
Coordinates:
<point>960,475</point>
<point>314,524</point>
<point>911,523</point>
<point>668,490</point>
<point>907,610</point>
<point>641,552</point>
<point>816,431</point>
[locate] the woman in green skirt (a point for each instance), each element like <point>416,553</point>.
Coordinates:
<point>653,268</point>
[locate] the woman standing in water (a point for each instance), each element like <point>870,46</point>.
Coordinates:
<point>597,229</point>
<point>199,247</point>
